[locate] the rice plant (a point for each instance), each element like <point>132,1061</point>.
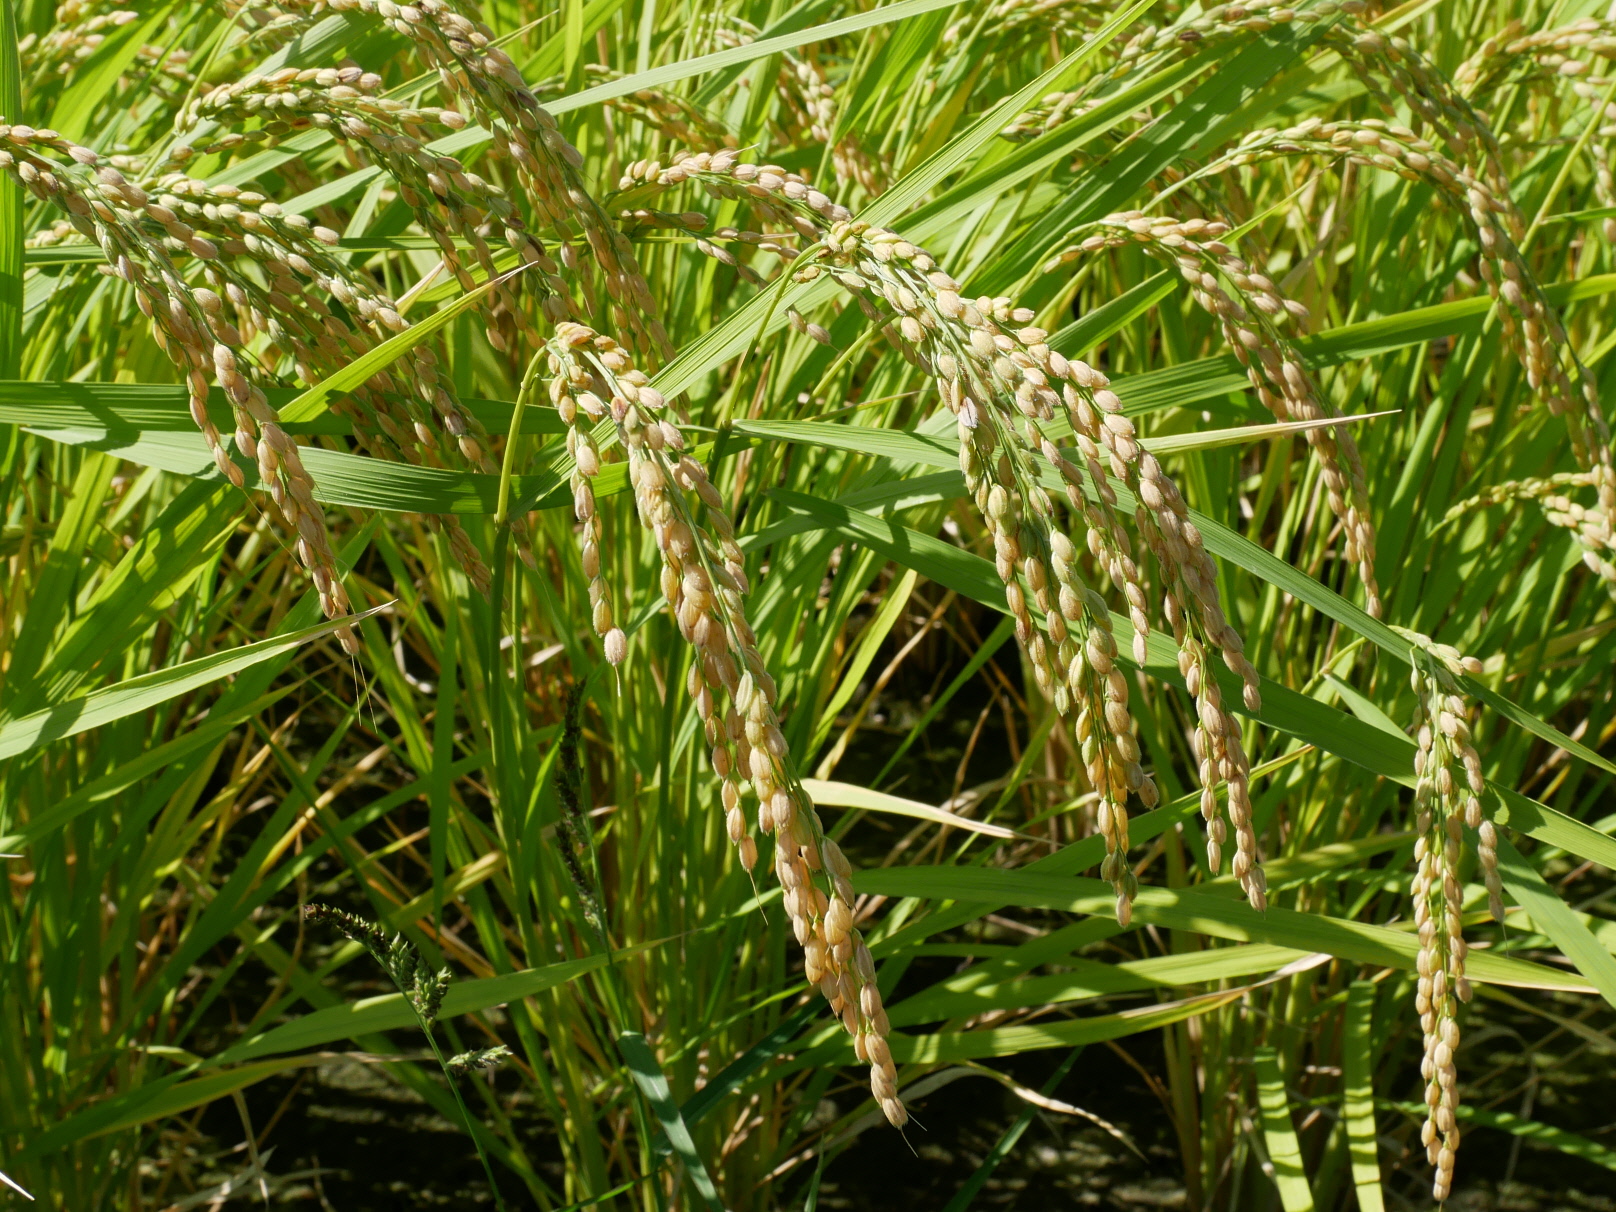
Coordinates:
<point>771,565</point>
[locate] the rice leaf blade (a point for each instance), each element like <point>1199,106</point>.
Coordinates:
<point>653,1084</point>
<point>1279,1133</point>
<point>103,707</point>
<point>1358,1099</point>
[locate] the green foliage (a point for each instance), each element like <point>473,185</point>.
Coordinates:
<point>193,767</point>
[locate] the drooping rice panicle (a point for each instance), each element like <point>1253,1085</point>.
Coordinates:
<point>704,583</point>
<point>491,90</point>
<point>452,203</point>
<point>1012,396</point>
<point>1252,321</point>
<point>1564,57</point>
<point>804,88</point>
<point>1447,799</point>
<point>244,294</point>
<point>1531,326</point>
<point>189,324</point>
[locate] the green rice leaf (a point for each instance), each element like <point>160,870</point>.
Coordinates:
<point>1203,912</point>
<point>729,1079</point>
<point>1279,1133</point>
<point>148,690</point>
<point>1555,918</point>
<point>1358,1098</point>
<point>1530,1130</point>
<point>1083,980</point>
<point>391,1012</point>
<point>648,1076</point>
<point>848,795</point>
<point>945,1047</point>
<point>656,77</point>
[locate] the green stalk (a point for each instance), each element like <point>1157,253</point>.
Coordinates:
<point>12,202</point>
<point>508,462</point>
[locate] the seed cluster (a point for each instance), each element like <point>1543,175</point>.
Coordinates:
<point>1590,525</point>
<point>811,104</point>
<point>1447,798</point>
<point>422,985</point>
<point>1012,397</point>
<point>1530,325</point>
<point>78,33</point>
<point>1153,46</point>
<point>779,198</point>
<point>273,298</point>
<point>1470,175</point>
<point>704,582</point>
<point>491,90</point>
<point>1029,18</point>
<point>1477,184</point>
<point>80,29</point>
<point>192,325</point>
<point>810,96</point>
<point>1252,320</point>
<point>457,207</point>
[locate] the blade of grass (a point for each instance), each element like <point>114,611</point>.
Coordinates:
<point>312,402</point>
<point>729,1079</point>
<point>1203,913</point>
<point>1358,1096</point>
<point>648,1076</point>
<point>1084,980</point>
<point>888,14</point>
<point>147,690</point>
<point>869,643</point>
<point>1529,1130</point>
<point>1279,1133</point>
<point>1556,919</point>
<point>848,795</point>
